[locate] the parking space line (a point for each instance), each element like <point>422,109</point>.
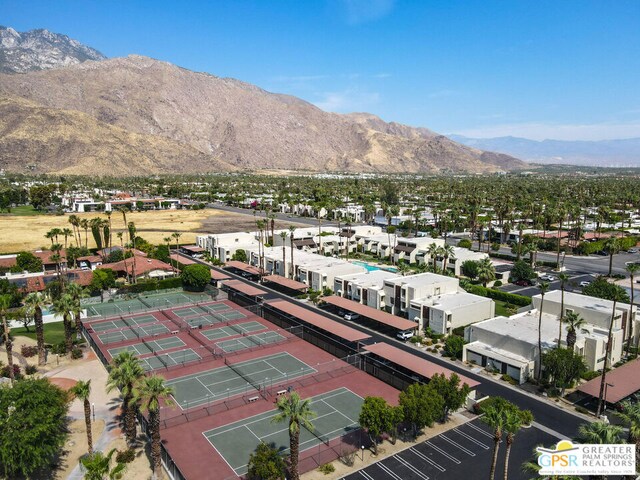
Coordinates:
<point>427,459</point>
<point>388,471</point>
<point>471,439</point>
<point>443,453</point>
<point>365,475</point>
<point>447,439</point>
<point>411,467</point>
<point>478,429</point>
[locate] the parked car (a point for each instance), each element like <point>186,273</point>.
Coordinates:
<point>351,316</point>
<point>585,283</point>
<point>632,250</point>
<point>405,334</point>
<point>523,283</point>
<point>547,278</point>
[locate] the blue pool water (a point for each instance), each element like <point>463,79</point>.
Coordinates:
<point>373,268</point>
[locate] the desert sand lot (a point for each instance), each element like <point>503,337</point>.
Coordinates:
<point>27,232</point>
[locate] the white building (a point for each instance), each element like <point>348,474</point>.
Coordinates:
<point>460,255</point>
<point>409,249</point>
<point>224,245</point>
<point>510,344</point>
<point>365,288</point>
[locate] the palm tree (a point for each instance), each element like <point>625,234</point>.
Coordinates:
<point>348,239</point>
<point>617,296</point>
<point>66,233</point>
<point>74,220</point>
<point>447,253</point>
<point>77,292</point>
<point>34,303</point>
<point>84,223</point>
<point>97,466</point>
<point>494,416</point>
<point>544,286</point>
<point>512,425</point>
<point>298,413</point>
<point>283,236</point>
<point>432,250</point>
<point>108,240</point>
<point>293,269</point>
<point>564,278</point>
<point>599,433</point>
<point>148,393</point>
<point>611,246</point>
<point>5,302</point>
<point>486,271</point>
<point>64,306</point>
<point>124,372</point>
<point>574,322</point>
<point>167,240</point>
<point>82,390</point>
<point>630,415</point>
<point>632,269</point>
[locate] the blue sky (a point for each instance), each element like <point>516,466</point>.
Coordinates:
<point>566,69</point>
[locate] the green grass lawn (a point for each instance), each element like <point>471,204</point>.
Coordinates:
<point>25,211</point>
<point>53,332</point>
<point>501,308</point>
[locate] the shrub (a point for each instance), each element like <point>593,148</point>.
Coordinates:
<point>416,339</point>
<point>31,369</point>
<point>453,346</point>
<point>59,349</point>
<point>327,468</point>
<point>16,371</point>
<point>28,351</point>
<point>519,300</point>
<point>526,416</point>
<point>126,456</point>
<point>509,379</point>
<point>464,243</point>
<point>590,375</point>
<point>582,410</point>
<point>495,246</point>
<point>497,283</point>
<point>195,277</point>
<point>76,353</point>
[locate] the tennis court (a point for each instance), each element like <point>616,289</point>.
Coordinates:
<point>169,359</point>
<point>131,333</point>
<point>123,323</point>
<point>239,378</point>
<point>337,414</point>
<point>231,330</point>
<point>249,341</point>
<point>215,307</point>
<point>204,320</point>
<point>138,304</point>
<point>146,347</point>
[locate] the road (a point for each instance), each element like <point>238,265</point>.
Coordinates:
<point>544,413</point>
<point>285,217</point>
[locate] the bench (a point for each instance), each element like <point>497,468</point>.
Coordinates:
<point>280,392</point>
<point>253,399</point>
<point>174,332</point>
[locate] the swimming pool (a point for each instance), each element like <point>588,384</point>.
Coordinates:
<point>373,268</point>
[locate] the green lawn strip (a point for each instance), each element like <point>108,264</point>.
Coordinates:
<point>53,332</point>
<point>25,211</point>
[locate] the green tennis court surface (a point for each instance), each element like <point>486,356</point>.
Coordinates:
<point>231,330</point>
<point>169,359</point>
<point>249,341</point>
<point>204,320</point>
<point>131,333</point>
<point>138,304</point>
<point>123,323</point>
<point>223,382</point>
<point>215,307</point>
<point>143,348</point>
<point>337,414</point>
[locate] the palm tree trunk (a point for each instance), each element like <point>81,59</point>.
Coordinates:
<point>494,461</point>
<point>129,420</point>
<point>9,346</point>
<point>68,338</point>
<point>154,424</point>
<point>37,319</point>
<point>539,369</point>
<point>630,321</point>
<point>294,446</point>
<point>607,354</point>
<point>561,314</point>
<point>87,420</point>
<point>506,456</point>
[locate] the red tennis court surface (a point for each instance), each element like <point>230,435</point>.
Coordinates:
<point>183,426</point>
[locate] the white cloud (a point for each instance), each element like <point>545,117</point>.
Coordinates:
<point>543,131</point>
<point>347,101</point>
<point>363,11</point>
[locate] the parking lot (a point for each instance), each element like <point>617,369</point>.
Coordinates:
<point>462,452</point>
<point>573,285</point>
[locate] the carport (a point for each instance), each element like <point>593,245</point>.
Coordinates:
<point>377,319</point>
<point>241,268</point>
<point>285,285</point>
<point>622,382</point>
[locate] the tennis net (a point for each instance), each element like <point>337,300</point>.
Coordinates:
<point>247,378</point>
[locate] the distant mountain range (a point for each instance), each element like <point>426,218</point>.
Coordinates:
<point>22,52</point>
<point>603,153</point>
<point>137,115</point>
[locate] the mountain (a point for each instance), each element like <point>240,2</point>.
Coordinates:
<point>230,122</point>
<point>39,139</point>
<point>603,153</point>
<point>40,50</point>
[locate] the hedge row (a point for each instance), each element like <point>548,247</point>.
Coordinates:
<point>519,300</point>
<point>150,285</point>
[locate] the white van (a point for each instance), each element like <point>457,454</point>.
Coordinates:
<point>406,334</point>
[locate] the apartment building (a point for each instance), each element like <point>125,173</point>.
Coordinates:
<point>365,288</point>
